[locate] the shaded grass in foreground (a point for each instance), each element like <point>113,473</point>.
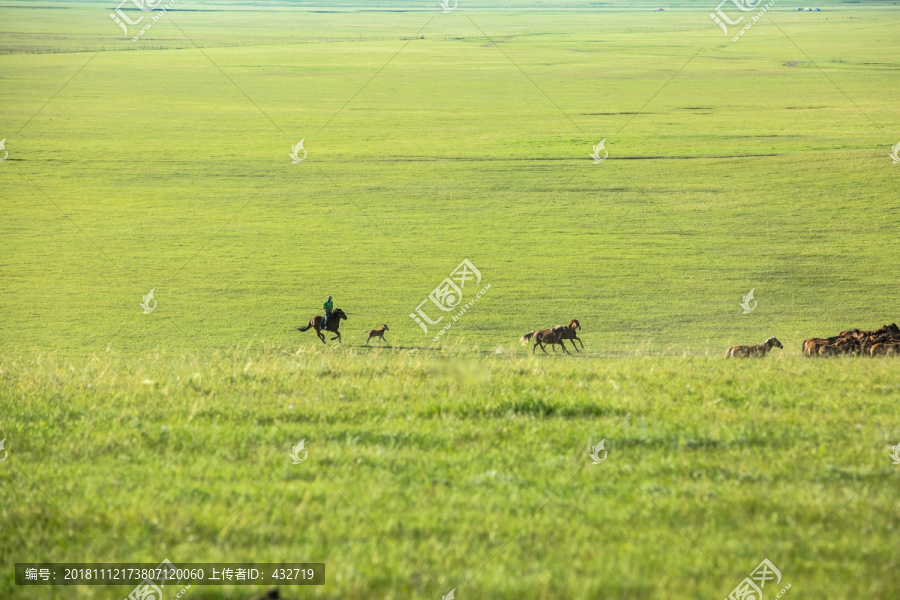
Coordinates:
<point>429,473</point>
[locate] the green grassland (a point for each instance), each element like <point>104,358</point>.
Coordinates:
<point>427,474</point>
<point>432,138</point>
<point>155,170</point>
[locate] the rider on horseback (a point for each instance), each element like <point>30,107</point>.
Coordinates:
<point>333,316</point>
<point>328,306</point>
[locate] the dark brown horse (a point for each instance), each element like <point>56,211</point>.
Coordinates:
<point>568,333</point>
<point>884,350</point>
<point>333,323</point>
<point>546,336</point>
<point>812,346</point>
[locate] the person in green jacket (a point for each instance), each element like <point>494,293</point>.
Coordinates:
<point>328,306</point>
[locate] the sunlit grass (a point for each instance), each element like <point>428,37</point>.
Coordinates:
<point>463,464</point>
<point>424,469</point>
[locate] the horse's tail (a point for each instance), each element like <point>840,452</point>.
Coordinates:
<point>308,325</point>
<point>527,337</point>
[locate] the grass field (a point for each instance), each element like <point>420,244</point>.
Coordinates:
<point>432,138</point>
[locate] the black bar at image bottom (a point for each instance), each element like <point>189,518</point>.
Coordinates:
<point>168,574</point>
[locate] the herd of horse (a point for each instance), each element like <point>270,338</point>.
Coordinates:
<point>884,341</point>
<point>552,336</point>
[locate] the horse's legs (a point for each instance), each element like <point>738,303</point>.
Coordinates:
<point>563,344</point>
<point>543,348</point>
<point>579,341</point>
<point>535,346</point>
<point>337,336</point>
<point>367,341</point>
<point>574,345</point>
<point>319,333</point>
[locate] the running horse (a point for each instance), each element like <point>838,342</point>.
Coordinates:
<point>757,350</point>
<point>546,336</point>
<point>568,333</point>
<point>333,323</point>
